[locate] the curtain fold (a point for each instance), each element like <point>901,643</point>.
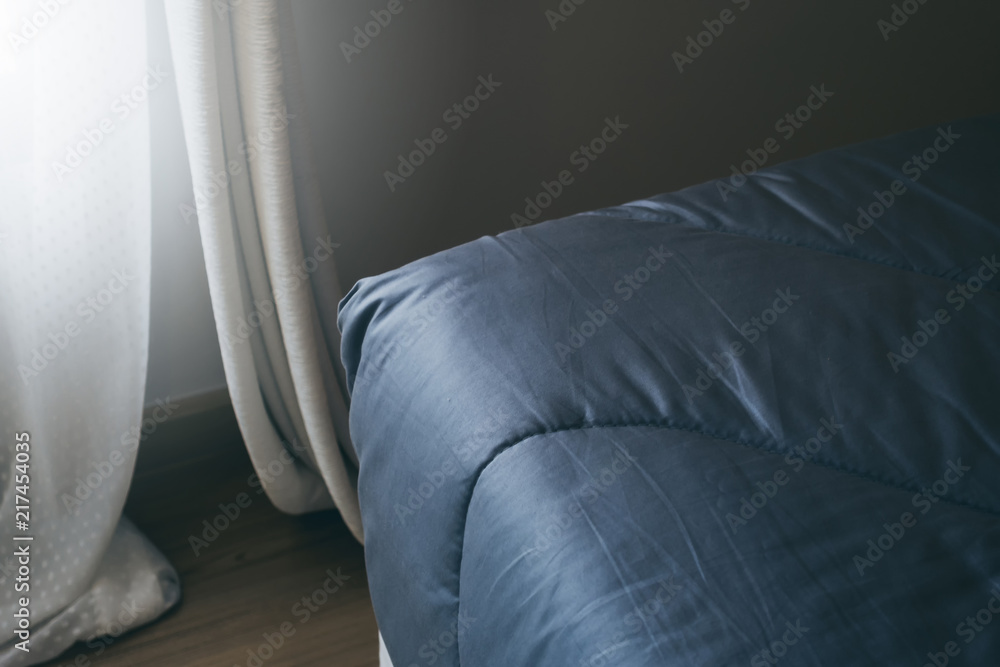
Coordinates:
<point>268,250</point>
<point>74,325</point>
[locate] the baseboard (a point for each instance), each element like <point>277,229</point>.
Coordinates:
<point>196,426</point>
<point>187,406</point>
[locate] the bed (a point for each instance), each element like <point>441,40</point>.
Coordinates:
<point>756,421</point>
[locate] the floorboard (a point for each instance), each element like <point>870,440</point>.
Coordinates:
<point>249,580</point>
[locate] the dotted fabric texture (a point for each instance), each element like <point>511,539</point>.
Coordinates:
<point>74,329</point>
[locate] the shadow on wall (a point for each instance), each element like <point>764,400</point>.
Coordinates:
<point>184,357</point>
<point>438,121</point>
<point>435,121</point>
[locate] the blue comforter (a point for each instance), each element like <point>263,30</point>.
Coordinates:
<point>754,422</point>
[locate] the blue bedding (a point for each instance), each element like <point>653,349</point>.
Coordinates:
<point>753,422</point>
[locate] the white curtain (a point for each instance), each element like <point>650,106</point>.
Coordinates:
<point>269,254</point>
<point>74,323</point>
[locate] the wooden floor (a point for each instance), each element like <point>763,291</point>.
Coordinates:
<point>248,581</point>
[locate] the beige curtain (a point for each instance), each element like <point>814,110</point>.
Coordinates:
<point>268,251</point>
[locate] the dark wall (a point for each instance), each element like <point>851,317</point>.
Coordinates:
<point>607,59</point>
